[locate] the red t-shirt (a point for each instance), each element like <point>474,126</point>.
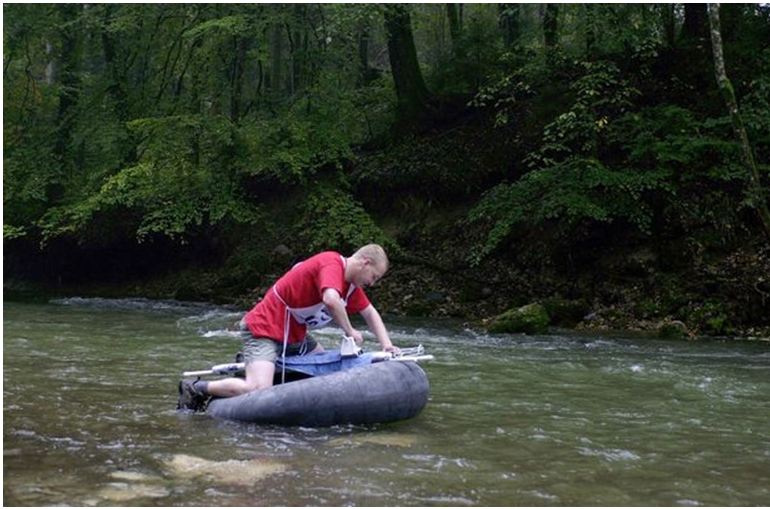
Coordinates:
<point>301,289</point>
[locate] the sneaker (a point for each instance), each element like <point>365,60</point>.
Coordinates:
<point>190,397</point>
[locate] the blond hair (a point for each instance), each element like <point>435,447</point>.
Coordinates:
<point>375,253</point>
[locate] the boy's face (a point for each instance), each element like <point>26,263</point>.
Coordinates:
<point>369,274</point>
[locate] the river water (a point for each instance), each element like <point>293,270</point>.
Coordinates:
<point>89,394</point>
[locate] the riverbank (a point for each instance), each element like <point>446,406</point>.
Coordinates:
<point>723,297</point>
<point>707,279</point>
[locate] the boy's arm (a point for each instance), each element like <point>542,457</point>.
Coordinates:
<point>377,326</point>
<point>336,307</point>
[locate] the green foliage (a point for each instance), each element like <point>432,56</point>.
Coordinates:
<point>503,94</point>
<point>26,192</point>
<point>311,134</point>
<point>755,109</point>
<point>30,166</point>
<point>572,193</point>
<point>177,184</point>
<point>700,157</point>
<point>230,25</point>
<point>168,114</point>
<point>570,184</point>
<point>475,57</point>
<point>166,119</point>
<point>711,317</point>
<point>333,219</point>
<point>601,96</point>
<point>13,232</point>
<point>603,161</point>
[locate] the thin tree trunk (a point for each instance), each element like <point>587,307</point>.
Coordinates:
<point>669,24</point>
<point>509,18</point>
<point>756,192</point>
<point>236,85</point>
<point>694,28</point>
<point>365,73</point>
<point>454,27</point>
<point>50,68</point>
<point>298,48</point>
<point>589,14</point>
<point>411,91</point>
<point>551,31</point>
<point>276,61</point>
<point>69,76</point>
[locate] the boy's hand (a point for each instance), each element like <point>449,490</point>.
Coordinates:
<point>357,336</point>
<point>392,349</point>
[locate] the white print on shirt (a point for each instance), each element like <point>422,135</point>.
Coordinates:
<point>316,316</point>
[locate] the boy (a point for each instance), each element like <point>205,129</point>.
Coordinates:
<point>323,288</point>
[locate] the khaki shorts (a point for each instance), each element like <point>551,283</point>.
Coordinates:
<point>266,349</point>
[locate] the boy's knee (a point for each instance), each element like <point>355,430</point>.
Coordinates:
<point>255,385</point>
<point>259,375</point>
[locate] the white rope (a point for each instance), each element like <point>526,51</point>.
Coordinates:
<point>286,326</point>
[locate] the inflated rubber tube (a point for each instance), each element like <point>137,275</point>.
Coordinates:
<point>376,393</point>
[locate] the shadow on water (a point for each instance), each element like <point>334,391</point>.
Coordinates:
<point>89,419</point>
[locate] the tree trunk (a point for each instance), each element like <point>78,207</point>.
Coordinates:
<point>669,24</point>
<point>276,61</point>
<point>298,37</point>
<point>589,13</point>
<point>69,78</point>
<point>118,86</point>
<point>50,68</point>
<point>454,28</point>
<point>509,16</point>
<point>366,74</point>
<point>411,91</point>
<point>363,50</point>
<point>694,28</point>
<point>551,31</point>
<point>756,192</point>
<point>236,84</point>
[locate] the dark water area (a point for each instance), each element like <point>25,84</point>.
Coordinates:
<point>89,394</point>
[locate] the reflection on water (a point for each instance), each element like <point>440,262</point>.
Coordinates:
<point>89,419</point>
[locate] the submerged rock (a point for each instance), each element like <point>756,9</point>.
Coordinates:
<point>131,476</point>
<point>239,472</point>
<point>529,319</point>
<point>387,439</point>
<point>123,492</point>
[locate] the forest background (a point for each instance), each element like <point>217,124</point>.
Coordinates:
<point>609,162</point>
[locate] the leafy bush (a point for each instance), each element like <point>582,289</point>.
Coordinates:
<point>570,184</point>
<point>334,219</point>
<point>569,193</point>
<point>13,232</point>
<point>316,131</point>
<point>30,166</point>
<point>601,96</point>
<point>702,160</point>
<point>179,182</point>
<point>601,162</point>
<point>503,94</point>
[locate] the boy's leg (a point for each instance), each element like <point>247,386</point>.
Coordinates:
<point>259,375</point>
<point>260,355</point>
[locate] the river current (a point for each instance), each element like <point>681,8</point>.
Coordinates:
<point>89,395</point>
